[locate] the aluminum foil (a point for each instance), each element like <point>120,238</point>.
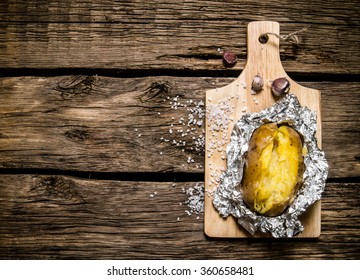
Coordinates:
<point>229,201</point>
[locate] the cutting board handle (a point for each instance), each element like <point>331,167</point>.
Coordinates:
<point>263,58</point>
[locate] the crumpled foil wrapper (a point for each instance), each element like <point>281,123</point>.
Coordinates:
<point>229,201</point>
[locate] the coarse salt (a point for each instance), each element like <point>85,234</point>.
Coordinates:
<point>195,199</point>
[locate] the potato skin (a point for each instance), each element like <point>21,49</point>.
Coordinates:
<point>273,170</point>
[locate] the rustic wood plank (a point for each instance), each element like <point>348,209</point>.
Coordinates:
<point>173,35</point>
<point>96,124</point>
<point>56,217</point>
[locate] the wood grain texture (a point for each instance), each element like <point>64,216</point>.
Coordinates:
<point>183,35</point>
<point>56,217</point>
<point>62,124</point>
<point>92,124</point>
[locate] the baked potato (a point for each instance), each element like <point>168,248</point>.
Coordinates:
<point>273,169</point>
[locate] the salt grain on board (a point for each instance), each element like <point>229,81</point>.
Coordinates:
<point>219,117</point>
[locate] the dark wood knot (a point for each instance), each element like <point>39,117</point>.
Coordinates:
<point>76,85</point>
<point>57,188</point>
<point>77,135</point>
<point>157,91</point>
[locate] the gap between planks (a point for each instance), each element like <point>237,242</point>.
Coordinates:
<point>180,177</point>
<point>168,72</point>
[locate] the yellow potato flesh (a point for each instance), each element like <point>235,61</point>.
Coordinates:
<point>274,168</point>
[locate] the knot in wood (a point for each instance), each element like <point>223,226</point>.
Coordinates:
<point>77,85</point>
<point>57,188</point>
<point>77,135</point>
<point>157,91</point>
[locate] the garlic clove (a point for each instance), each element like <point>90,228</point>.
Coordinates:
<point>257,83</point>
<point>280,86</point>
<point>229,58</point>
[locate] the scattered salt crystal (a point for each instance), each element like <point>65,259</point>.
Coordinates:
<point>139,135</point>
<point>195,199</point>
<point>193,125</point>
<point>189,160</point>
<point>218,115</point>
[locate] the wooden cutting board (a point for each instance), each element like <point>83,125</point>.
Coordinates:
<point>236,99</point>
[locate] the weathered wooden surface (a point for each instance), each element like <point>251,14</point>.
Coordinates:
<point>65,217</point>
<point>111,124</point>
<point>114,134</point>
<point>183,35</point>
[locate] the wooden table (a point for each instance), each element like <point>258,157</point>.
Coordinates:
<point>93,161</point>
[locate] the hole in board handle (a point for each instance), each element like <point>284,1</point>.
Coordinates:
<point>263,38</point>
